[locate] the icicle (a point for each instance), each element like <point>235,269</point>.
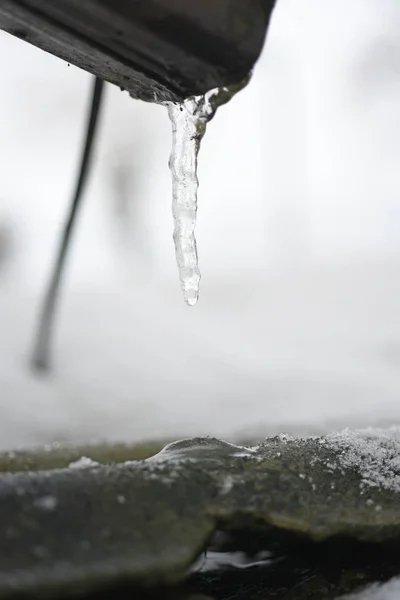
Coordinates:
<point>189,122</point>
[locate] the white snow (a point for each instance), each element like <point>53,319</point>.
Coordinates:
<point>373,452</point>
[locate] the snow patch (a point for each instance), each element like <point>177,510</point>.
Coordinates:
<point>373,452</point>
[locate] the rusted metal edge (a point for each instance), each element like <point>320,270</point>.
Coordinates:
<point>155,49</point>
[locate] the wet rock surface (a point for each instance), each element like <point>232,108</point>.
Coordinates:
<point>116,520</point>
<point>60,456</point>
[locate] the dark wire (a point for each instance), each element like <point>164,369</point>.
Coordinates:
<point>41,352</point>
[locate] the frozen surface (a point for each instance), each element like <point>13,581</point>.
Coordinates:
<point>189,121</point>
<point>189,124</point>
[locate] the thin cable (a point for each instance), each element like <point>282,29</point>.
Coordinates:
<point>41,353</point>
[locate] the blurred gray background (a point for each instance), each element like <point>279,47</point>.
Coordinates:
<point>298,324</point>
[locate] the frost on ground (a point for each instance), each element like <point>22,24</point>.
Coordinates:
<point>373,452</point>
<point>386,591</point>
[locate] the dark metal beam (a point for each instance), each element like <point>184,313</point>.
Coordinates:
<point>155,49</point>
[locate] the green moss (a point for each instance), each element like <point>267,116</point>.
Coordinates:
<point>59,456</point>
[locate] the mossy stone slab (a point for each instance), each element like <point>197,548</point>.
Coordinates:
<point>77,529</point>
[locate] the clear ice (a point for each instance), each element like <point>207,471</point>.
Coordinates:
<point>189,122</point>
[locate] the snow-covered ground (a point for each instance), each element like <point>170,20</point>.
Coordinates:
<point>303,353</point>
<point>298,323</point>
